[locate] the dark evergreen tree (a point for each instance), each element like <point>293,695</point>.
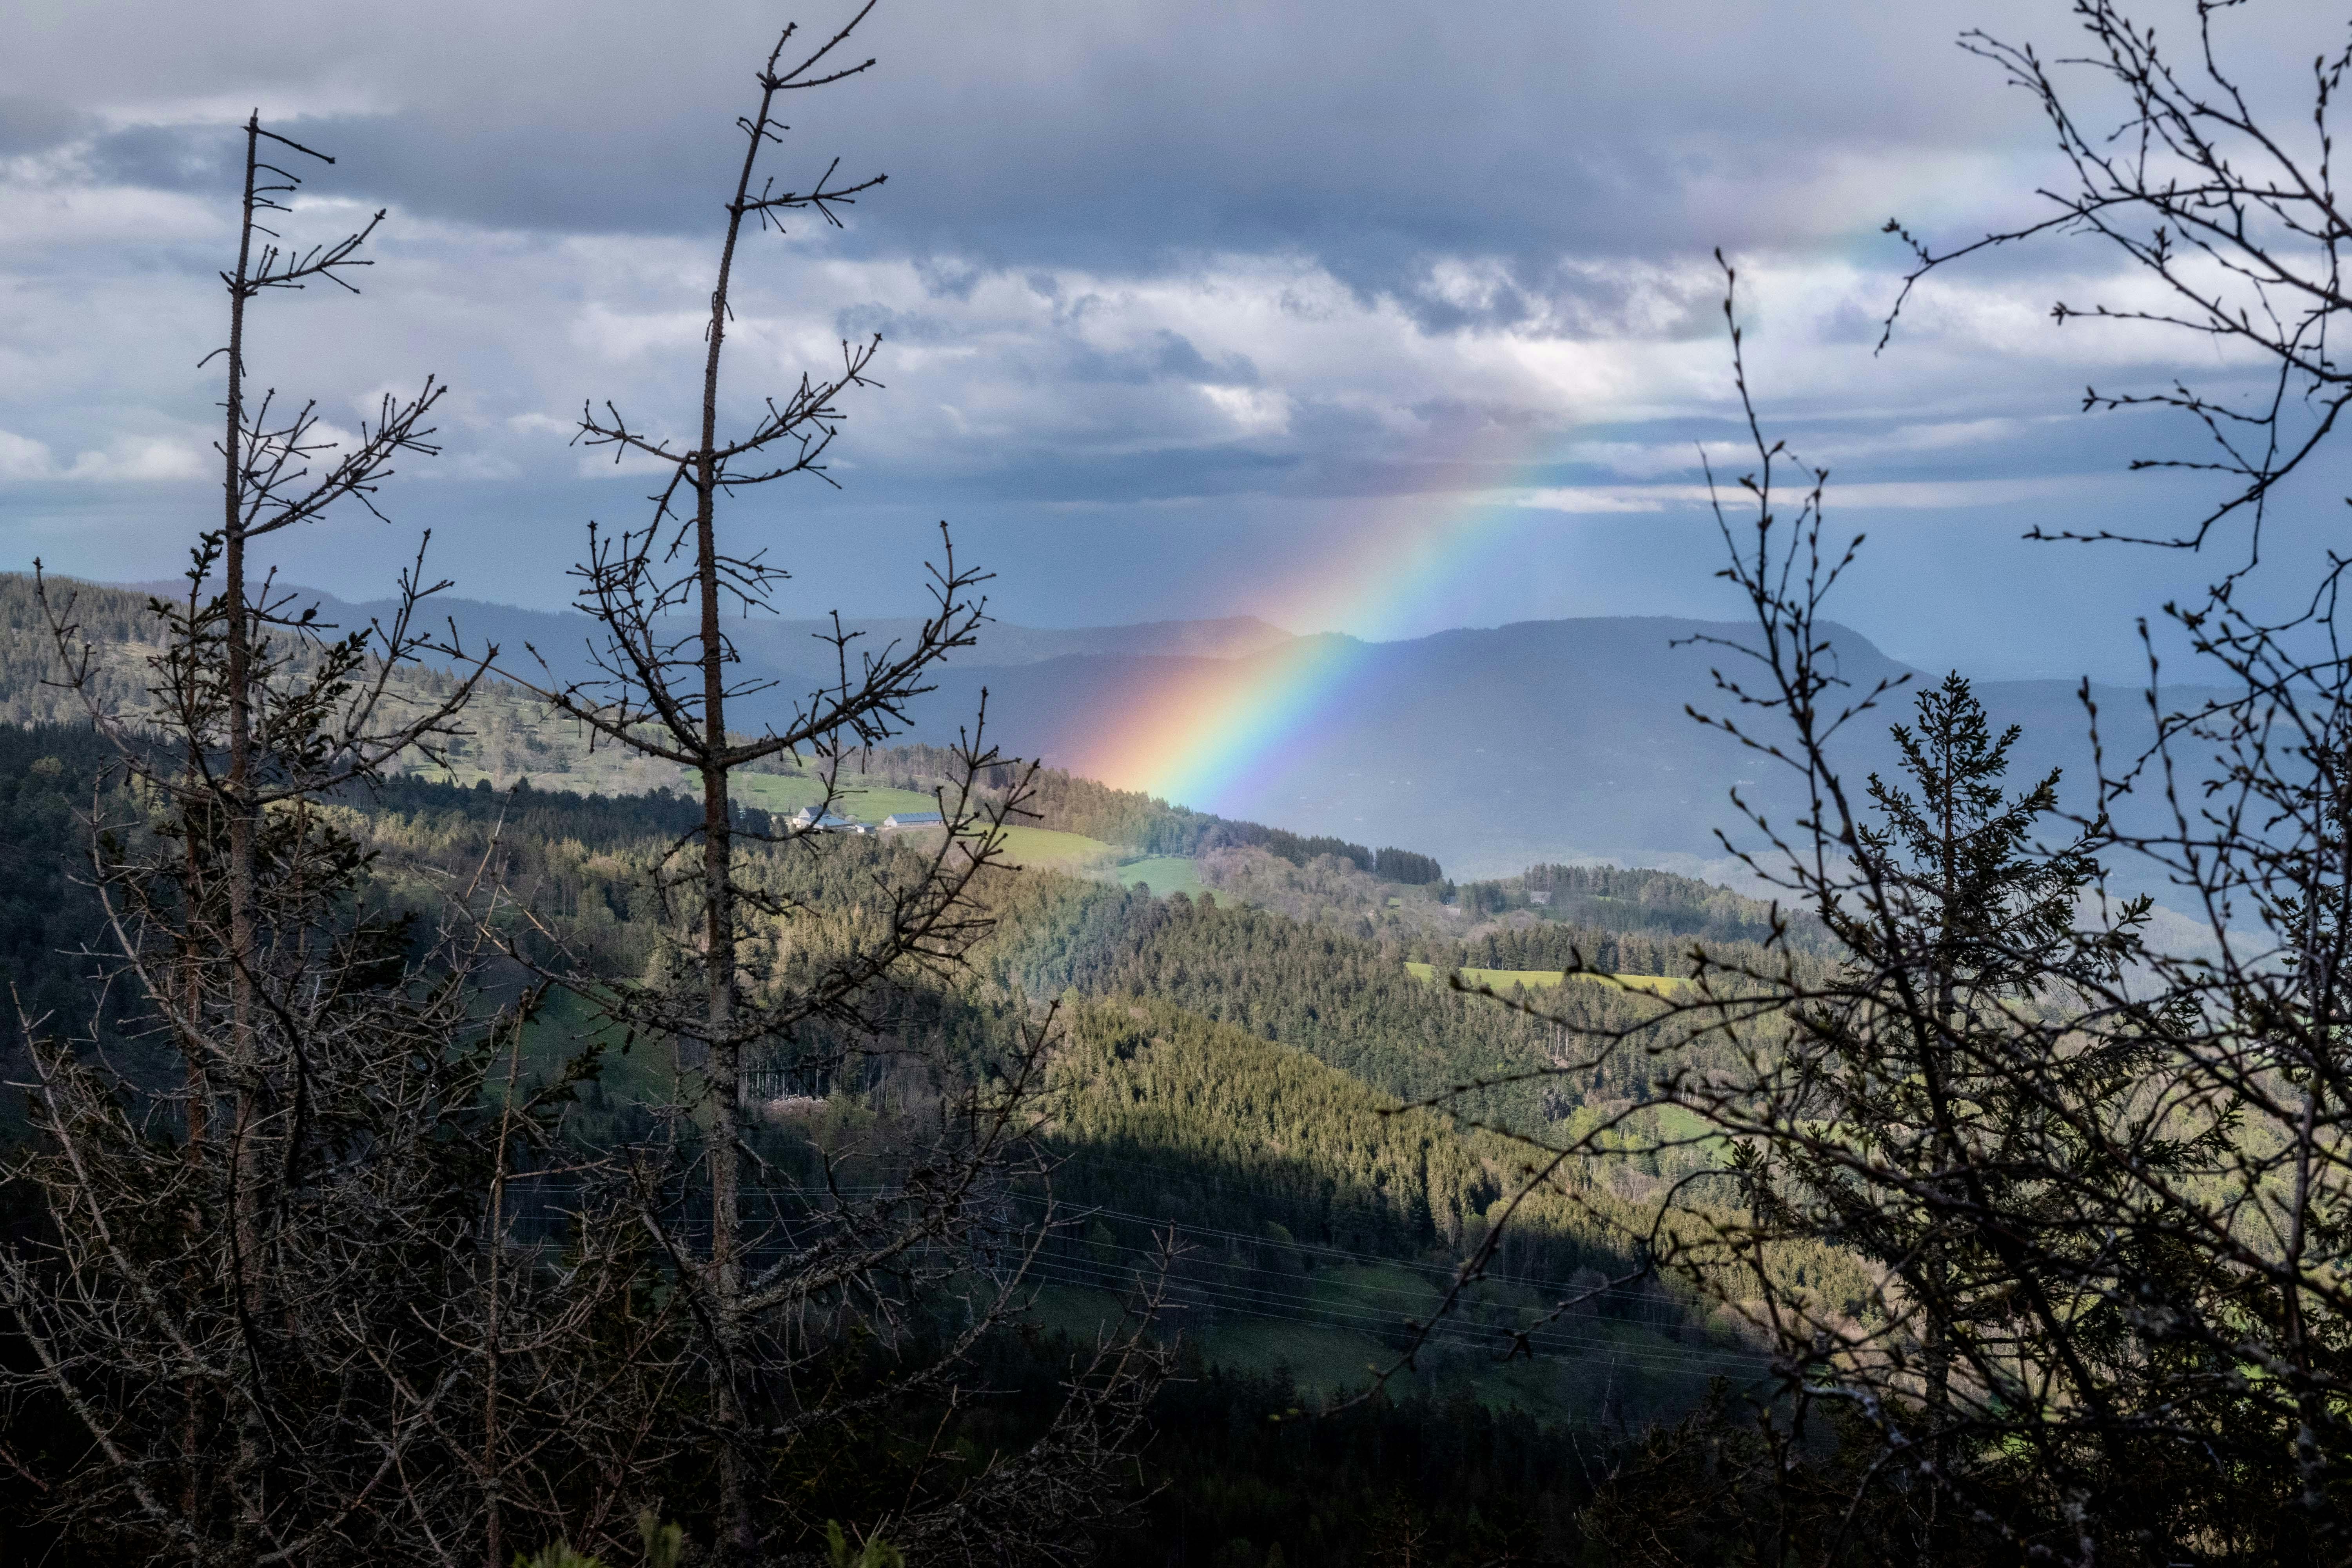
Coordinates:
<point>1404,865</point>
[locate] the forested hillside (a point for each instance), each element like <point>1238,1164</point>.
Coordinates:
<point>1346,999</point>
<point>53,928</point>
<point>1343,995</point>
<point>1241,1058</point>
<point>510,737</point>
<point>1226,1076</point>
<point>574,865</point>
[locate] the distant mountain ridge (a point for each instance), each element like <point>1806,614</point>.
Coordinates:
<point>1495,748</point>
<point>781,647</point>
<point>1491,748</point>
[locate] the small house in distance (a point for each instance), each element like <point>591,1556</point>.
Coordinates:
<point>914,819</point>
<point>1542,898</point>
<point>808,820</point>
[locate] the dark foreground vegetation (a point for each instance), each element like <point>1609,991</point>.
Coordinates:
<point>2096,1182</point>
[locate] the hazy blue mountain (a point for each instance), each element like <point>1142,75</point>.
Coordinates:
<point>793,649</point>
<point>1492,749</point>
<point>1488,748</point>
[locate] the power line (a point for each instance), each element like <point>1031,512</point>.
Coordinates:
<point>1543,1285</point>
<point>1436,1271</point>
<point>1361,1287</point>
<point>1253,1293</point>
<point>1074,1272</point>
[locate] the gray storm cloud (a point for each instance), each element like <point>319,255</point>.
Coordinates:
<point>1163,273</point>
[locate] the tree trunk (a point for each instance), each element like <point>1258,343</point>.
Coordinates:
<point>245,1234</point>
<point>738,1530</point>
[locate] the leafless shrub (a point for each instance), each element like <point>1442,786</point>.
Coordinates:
<point>284,1297</point>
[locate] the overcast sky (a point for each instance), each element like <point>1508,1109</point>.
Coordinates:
<point>1376,317</point>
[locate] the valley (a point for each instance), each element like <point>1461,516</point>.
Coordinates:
<point>1264,1106</point>
<point>1309,972</point>
<point>1491,749</point>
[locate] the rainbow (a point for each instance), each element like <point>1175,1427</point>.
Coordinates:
<point>1206,731</point>
<point>1203,729</point>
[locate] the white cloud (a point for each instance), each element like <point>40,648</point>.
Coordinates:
<point>22,457</point>
<point>1487,293</point>
<point>1254,410</point>
<point>1941,495</point>
<point>451,465</point>
<point>1606,498</point>
<point>53,198</point>
<point>142,457</point>
<point>129,459</point>
<point>1645,461</point>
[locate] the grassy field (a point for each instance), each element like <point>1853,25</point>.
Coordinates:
<point>1324,1360</point>
<point>1044,847</point>
<point>1543,979</point>
<point>1163,874</point>
<point>1676,1123</point>
<point>1038,846</point>
<point>777,792</point>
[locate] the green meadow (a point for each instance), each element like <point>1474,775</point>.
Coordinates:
<point>860,803</point>
<point>1163,874</point>
<point>1038,846</point>
<point>1045,847</point>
